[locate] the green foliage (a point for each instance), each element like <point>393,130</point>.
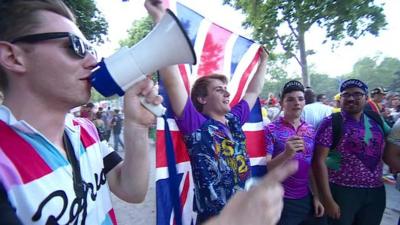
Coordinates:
<point>374,71</point>
<point>324,84</point>
<point>286,22</point>
<point>90,20</point>
<point>139,30</point>
<point>276,75</point>
<point>378,74</point>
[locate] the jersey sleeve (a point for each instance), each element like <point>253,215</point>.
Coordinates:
<point>241,110</point>
<point>190,120</point>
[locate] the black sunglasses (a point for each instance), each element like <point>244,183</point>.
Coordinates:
<point>79,46</point>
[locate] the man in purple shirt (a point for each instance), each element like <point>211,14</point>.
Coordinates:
<point>289,138</point>
<point>212,132</point>
<point>353,193</point>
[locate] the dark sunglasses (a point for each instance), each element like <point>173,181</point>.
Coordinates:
<point>78,46</point>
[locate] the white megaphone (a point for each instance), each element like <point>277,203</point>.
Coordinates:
<point>167,44</point>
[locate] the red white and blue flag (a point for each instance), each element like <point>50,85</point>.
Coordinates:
<point>219,51</point>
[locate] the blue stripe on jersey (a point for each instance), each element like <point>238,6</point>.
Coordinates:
<point>47,151</point>
<point>107,220</point>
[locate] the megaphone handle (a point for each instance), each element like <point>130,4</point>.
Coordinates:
<point>157,110</point>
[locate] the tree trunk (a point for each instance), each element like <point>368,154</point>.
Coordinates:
<point>303,59</point>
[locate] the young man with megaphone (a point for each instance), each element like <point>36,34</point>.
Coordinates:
<point>212,130</point>
<point>53,168</point>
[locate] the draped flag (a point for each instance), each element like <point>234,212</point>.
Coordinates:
<point>220,51</point>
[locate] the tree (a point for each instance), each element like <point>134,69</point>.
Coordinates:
<point>396,82</point>
<point>329,86</point>
<point>139,29</point>
<point>276,75</point>
<point>377,74</point>
<point>341,18</point>
<point>90,20</point>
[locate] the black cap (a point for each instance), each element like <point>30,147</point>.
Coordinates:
<point>292,85</point>
<point>351,83</point>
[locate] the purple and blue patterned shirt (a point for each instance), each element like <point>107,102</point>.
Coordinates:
<point>218,157</point>
<point>361,148</point>
<point>276,135</point>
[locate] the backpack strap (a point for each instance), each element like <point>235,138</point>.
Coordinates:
<point>337,127</point>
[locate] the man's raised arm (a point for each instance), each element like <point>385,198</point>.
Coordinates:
<point>170,75</point>
<point>256,84</point>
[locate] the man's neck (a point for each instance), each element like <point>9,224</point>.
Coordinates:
<point>295,121</point>
<point>47,120</point>
<point>356,116</point>
<point>215,116</point>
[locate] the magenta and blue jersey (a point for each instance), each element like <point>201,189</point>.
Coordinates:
<point>38,178</point>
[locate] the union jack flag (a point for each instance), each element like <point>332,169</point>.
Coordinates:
<point>219,51</point>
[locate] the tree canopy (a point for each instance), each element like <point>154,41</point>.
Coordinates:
<point>286,23</point>
<point>376,71</point>
<point>90,19</point>
<point>139,29</point>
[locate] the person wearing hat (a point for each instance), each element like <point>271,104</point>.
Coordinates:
<point>375,102</point>
<point>289,138</point>
<point>336,106</point>
<point>353,192</point>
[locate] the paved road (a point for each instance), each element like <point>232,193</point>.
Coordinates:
<point>145,213</point>
<point>139,214</point>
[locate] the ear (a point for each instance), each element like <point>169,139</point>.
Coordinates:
<point>202,100</point>
<point>12,57</point>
